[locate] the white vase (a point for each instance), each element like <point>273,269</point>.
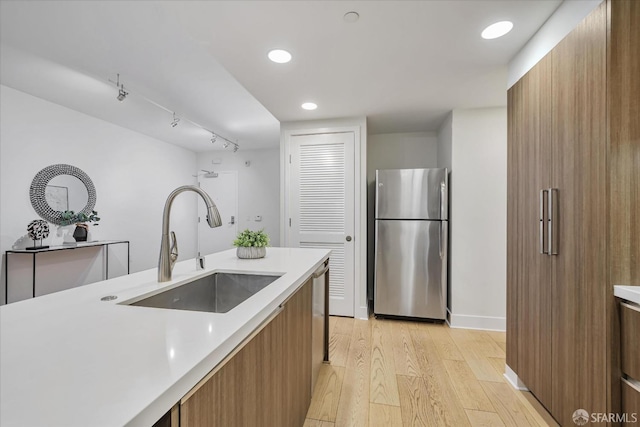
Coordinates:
<point>251,252</point>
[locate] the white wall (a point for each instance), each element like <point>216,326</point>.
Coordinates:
<point>564,19</point>
<point>478,217</point>
<point>393,151</point>
<point>445,147</point>
<point>258,186</point>
<point>360,240</point>
<point>133,175</point>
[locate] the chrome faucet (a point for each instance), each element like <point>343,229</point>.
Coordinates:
<point>169,252</point>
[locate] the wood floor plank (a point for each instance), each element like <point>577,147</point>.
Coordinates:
<point>443,400</point>
<point>339,349</point>
<point>326,395</point>
<point>498,364</point>
<point>438,384</point>
<point>484,419</point>
<point>498,337</point>
<point>384,387</point>
<point>384,416</point>
<point>404,356</point>
<point>444,343</point>
<point>467,387</point>
<point>344,325</point>
<point>353,409</point>
<point>416,408</point>
<point>538,413</point>
<point>473,355</point>
<point>507,405</point>
<point>316,423</point>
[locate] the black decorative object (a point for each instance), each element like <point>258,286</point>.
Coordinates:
<point>81,233</point>
<point>39,184</point>
<point>37,229</point>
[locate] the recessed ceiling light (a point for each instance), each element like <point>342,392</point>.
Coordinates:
<point>351,17</point>
<point>309,106</point>
<point>280,56</point>
<point>496,30</point>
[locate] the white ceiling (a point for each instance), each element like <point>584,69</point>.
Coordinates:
<point>404,64</point>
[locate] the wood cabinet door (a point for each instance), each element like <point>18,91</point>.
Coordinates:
<point>530,267</point>
<point>579,172</point>
<point>267,382</point>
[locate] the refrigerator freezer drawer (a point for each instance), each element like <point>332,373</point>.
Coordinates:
<point>410,268</point>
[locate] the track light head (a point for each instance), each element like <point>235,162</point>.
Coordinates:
<point>235,148</point>
<point>226,144</point>
<point>122,94</point>
<point>214,137</point>
<point>175,121</point>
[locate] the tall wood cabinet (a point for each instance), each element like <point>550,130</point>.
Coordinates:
<point>573,184</point>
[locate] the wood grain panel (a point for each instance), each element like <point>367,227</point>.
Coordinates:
<point>623,103</point>
<point>266,382</point>
<point>631,398</point>
<point>533,269</point>
<point>623,98</point>
<point>579,171</point>
<point>630,334</point>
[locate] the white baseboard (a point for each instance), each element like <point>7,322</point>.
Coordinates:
<point>513,379</point>
<point>485,323</point>
<point>361,312</point>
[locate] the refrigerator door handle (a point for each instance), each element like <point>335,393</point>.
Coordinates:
<point>544,194</point>
<point>443,239</point>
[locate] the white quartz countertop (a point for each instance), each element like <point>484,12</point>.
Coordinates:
<point>630,293</point>
<point>68,359</point>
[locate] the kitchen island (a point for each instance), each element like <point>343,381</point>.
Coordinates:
<point>71,359</point>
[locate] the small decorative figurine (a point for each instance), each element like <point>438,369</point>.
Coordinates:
<point>37,229</point>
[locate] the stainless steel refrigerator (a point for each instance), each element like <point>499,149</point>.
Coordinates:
<point>411,228</point>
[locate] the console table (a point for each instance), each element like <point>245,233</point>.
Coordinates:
<point>65,247</point>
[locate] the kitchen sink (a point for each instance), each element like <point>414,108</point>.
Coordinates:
<point>216,293</point>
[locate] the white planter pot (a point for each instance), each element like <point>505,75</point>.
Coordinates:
<point>251,252</point>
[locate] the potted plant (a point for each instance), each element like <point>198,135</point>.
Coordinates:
<point>251,244</point>
<point>80,220</point>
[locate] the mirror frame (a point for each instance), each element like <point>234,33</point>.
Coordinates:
<point>42,179</point>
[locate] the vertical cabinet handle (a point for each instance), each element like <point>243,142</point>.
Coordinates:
<point>543,221</point>
<point>553,218</point>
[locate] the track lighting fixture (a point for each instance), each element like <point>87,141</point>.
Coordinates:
<point>122,94</point>
<point>175,121</point>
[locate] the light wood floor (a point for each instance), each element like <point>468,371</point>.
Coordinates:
<point>395,373</point>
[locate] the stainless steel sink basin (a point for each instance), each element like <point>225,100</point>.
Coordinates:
<point>217,293</point>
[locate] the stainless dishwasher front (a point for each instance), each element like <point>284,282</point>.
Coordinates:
<point>320,321</point>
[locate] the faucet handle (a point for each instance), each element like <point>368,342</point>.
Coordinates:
<point>173,251</point>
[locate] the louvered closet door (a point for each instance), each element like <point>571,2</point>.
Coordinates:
<point>322,207</point>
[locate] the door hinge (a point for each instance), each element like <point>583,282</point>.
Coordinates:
<point>198,219</point>
<point>289,222</point>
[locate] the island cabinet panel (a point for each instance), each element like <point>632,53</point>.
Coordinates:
<point>267,382</point>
